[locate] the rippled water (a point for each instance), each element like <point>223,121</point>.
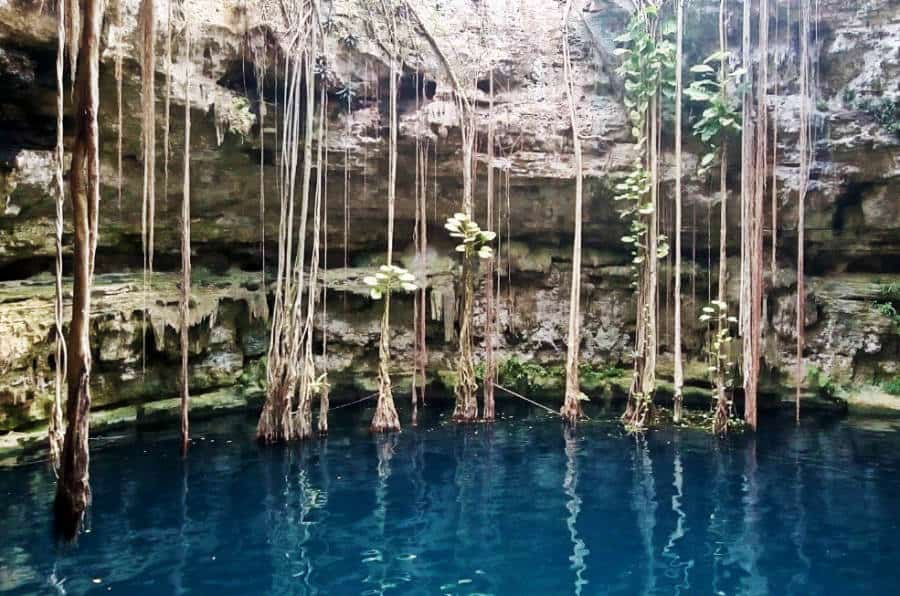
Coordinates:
<point>520,508</point>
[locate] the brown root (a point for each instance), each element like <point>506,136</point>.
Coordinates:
<point>385,418</point>
<point>466,408</point>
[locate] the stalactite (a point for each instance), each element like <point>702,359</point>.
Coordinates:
<point>73,37</point>
<point>679,371</point>
<point>186,243</point>
<point>571,408</point>
<point>73,491</point>
<point>55,427</point>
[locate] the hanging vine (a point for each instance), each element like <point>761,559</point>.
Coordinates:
<point>466,407</point>
<point>718,118</point>
<point>285,363</point>
<point>806,157</point>
<point>648,55</point>
<point>571,408</point>
<point>55,427</point>
<point>677,357</point>
<point>147,23</point>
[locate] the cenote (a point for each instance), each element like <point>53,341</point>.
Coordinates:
<point>524,506</point>
<point>510,297</point>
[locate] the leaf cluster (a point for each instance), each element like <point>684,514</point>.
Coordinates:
<point>720,115</point>
<point>648,65</point>
<point>721,366</point>
<point>390,278</point>
<point>648,69</point>
<point>472,239</point>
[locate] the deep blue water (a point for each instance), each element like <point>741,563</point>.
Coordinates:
<point>520,508</point>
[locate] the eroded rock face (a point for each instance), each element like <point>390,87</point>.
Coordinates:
<point>852,210</point>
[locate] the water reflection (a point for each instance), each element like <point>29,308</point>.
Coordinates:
<point>644,505</point>
<point>678,569</point>
<point>178,572</point>
<point>377,559</point>
<point>573,505</point>
<point>747,552</point>
<point>519,508</point>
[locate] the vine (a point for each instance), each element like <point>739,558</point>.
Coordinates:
<point>648,55</point>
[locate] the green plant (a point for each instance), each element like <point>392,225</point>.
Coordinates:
<point>721,113</point>
<point>886,112</point>
<point>721,367</point>
<point>389,278</point>
<point>526,376</point>
<point>821,382</point>
<point>647,69</point>
<point>891,385</point>
<point>472,239</point>
<point>888,310</point>
<point>889,291</point>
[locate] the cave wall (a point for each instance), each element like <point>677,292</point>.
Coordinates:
<point>853,215</point>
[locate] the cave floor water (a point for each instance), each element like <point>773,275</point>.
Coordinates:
<point>522,507</point>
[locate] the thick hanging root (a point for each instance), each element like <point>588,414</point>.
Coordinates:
<point>721,414</point>
<point>385,419</point>
<point>323,412</point>
<point>466,409</point>
<point>571,408</point>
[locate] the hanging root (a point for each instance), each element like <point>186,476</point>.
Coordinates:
<point>385,418</point>
<point>323,411</point>
<point>466,409</point>
<point>722,413</point>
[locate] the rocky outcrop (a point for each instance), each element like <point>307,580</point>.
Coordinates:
<point>853,250</point>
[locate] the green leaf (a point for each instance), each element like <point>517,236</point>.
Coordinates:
<point>716,57</point>
<point>702,69</point>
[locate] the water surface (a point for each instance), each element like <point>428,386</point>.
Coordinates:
<point>521,508</point>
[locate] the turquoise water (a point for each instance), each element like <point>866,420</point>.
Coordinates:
<point>522,507</point>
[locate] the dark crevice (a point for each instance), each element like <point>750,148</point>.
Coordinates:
<point>848,213</point>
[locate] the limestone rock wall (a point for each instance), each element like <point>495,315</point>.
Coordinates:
<point>853,250</point>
